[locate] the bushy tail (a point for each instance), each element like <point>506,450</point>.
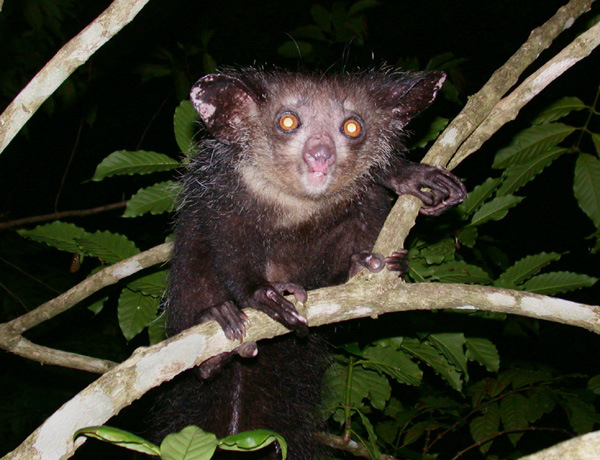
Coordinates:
<point>279,390</point>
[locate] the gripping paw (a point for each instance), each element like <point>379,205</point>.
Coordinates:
<point>270,300</point>
<point>374,262</point>
<point>212,366</point>
<point>231,319</point>
<point>435,186</point>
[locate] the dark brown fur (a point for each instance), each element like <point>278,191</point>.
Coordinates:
<point>266,211</point>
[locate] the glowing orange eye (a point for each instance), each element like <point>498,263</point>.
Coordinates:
<point>352,128</point>
<point>288,121</point>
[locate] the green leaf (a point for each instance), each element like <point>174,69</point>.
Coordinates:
<point>361,5</point>
<point>135,312</point>
<point>484,352</point>
<point>486,426</point>
<point>253,440</point>
<point>460,272</point>
<point>513,413</point>
<point>157,329</point>
<point>559,109</point>
<point>525,268</point>
<point>367,384</point>
<point>435,128</point>
<point>495,209</point>
<point>517,176</point>
<point>321,16</point>
<point>191,443</point>
<point>531,142</point>
<point>184,123</point>
<point>451,345</point>
<point>467,236</point>
<point>478,196</point>
<point>581,414</point>
<point>57,234</point>
<point>556,282</point>
<point>394,363</point>
<point>156,199</point>
<point>120,438</point>
<point>153,284</point>
<point>295,49</point>
<point>594,384</point>
<point>139,162</point>
<point>371,446</point>
<point>587,186</point>
<point>108,247</point>
<point>430,356</point>
<point>596,141</point>
<point>540,403</point>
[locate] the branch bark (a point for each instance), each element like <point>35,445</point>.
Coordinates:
<point>72,55</point>
<point>479,108</point>
<point>149,367</point>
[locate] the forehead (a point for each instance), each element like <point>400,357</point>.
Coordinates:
<point>330,92</point>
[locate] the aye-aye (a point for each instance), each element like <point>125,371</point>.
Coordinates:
<point>287,194</point>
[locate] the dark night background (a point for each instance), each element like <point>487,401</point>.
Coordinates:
<point>124,97</point>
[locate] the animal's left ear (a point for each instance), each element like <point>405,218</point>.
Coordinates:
<point>413,93</point>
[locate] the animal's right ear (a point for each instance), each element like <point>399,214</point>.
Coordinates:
<point>223,102</point>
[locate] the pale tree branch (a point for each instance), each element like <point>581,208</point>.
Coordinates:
<point>11,338</point>
<point>72,55</point>
<point>365,295</point>
<point>480,106</point>
<point>149,367</point>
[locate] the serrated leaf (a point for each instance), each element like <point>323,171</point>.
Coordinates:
<point>478,196</point>
<point>430,356</point>
<point>372,444</point>
<point>587,186</point>
<point>184,124</point>
<point>249,441</point>
<point>594,384</point>
<point>467,236</point>
<point>530,142</point>
<point>459,271</point>
<point>486,426</point>
<point>119,438</point>
<point>540,403</point>
<point>495,209</point>
<point>596,141</point>
<point>365,384</point>
<point>371,385</point>
<point>135,312</point>
<point>525,268</point>
<point>513,413</point>
<point>361,5</point>
<point>394,363</point>
<point>156,199</point>
<point>108,247</point>
<point>139,162</point>
<point>451,345</point>
<point>191,443</point>
<point>559,109</point>
<point>438,252</point>
<point>581,414</point>
<point>557,282</point>
<point>153,284</point>
<point>517,176</point>
<point>484,352</point>
<point>295,49</point>
<point>157,329</point>
<point>59,235</point>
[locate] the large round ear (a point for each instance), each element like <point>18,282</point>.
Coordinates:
<point>222,101</point>
<point>414,92</point>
